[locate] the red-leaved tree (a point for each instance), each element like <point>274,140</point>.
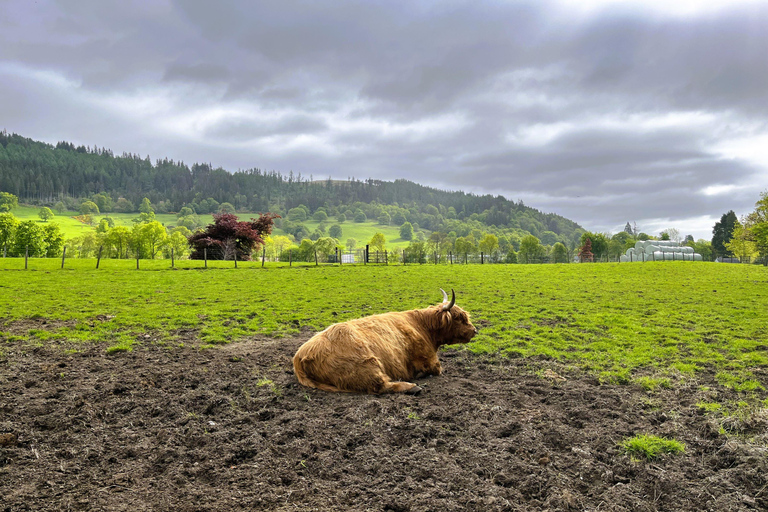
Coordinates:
<point>228,237</point>
<point>585,253</point>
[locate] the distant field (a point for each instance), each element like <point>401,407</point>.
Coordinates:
<point>72,228</point>
<point>624,322</point>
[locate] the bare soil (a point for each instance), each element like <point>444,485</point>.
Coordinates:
<point>183,429</point>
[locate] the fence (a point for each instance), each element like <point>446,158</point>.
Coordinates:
<point>363,256</point>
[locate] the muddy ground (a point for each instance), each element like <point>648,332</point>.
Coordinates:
<point>231,429</point>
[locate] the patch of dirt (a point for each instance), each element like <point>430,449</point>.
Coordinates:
<point>231,429</point>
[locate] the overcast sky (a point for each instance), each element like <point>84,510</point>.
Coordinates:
<point>605,112</point>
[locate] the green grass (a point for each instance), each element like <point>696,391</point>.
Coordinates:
<point>71,227</point>
<point>650,447</point>
<point>362,232</point>
<point>618,321</point>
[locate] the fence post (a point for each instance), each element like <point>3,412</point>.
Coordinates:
<point>26,256</point>
<point>365,256</point>
<point>205,256</point>
<point>450,256</point>
<point>98,258</point>
<point>263,256</point>
<point>482,258</point>
<point>63,255</point>
<point>337,256</point>
<point>172,260</point>
<point>235,257</point>
<point>137,260</point>
<point>386,257</point>
<point>290,257</point>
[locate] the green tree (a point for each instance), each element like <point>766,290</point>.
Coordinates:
<point>531,250</point>
<point>146,206</point>
<point>326,246</point>
<point>320,215</point>
<point>703,247</point>
<point>119,240</point>
<point>489,245</point>
<point>741,244</point>
<point>758,221</point>
<point>185,211</point>
<point>45,214</point>
<point>511,256</point>
<point>226,208</point>
<point>85,245</point>
<point>416,252</point>
<point>105,224</point>
<point>378,242</point>
<point>438,243</point>
<point>335,231</point>
<point>297,214</point>
<point>615,248</point>
<point>548,238</point>
<point>305,251</point>
<point>559,253</point>
<point>148,239</point>
<point>464,246</point>
<point>103,201</point>
<point>8,224</point>
<point>406,231</point>
<point>124,206</point>
<point>599,243</point>
<point>384,219</point>
<point>8,202</point>
<point>360,216</point>
<point>59,207</point>
<point>722,234</point>
<point>89,208</point>
<point>53,239</point>
<point>178,241</point>
<point>341,218</point>
<point>351,244</point>
<point>28,234</point>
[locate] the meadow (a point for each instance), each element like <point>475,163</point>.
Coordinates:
<point>621,321</point>
<point>597,386</point>
<point>71,227</point>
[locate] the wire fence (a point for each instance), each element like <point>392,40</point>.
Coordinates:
<point>361,256</point>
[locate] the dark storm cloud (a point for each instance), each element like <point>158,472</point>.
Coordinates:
<point>532,99</point>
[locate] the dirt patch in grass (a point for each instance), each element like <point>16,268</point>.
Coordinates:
<point>230,429</point>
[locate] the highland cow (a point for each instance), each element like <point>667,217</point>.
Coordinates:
<point>381,353</point>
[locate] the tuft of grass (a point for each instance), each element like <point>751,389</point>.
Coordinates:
<point>709,406</point>
<point>272,386</point>
<point>650,446</point>
<point>653,384</point>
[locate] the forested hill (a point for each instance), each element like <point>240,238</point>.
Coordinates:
<point>40,173</point>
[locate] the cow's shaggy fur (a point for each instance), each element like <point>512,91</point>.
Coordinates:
<point>381,353</point>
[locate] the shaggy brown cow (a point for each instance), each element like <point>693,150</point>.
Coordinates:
<point>379,353</point>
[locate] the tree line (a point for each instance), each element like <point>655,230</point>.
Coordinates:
<point>65,175</point>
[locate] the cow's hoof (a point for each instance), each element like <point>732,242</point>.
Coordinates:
<point>415,390</point>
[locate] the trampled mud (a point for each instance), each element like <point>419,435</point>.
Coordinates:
<point>231,429</point>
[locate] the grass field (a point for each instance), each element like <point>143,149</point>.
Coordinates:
<point>647,323</point>
<point>72,227</point>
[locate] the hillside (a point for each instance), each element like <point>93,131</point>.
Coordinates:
<point>42,174</point>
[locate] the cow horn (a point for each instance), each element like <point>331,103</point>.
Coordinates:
<point>445,296</point>
<point>447,307</point>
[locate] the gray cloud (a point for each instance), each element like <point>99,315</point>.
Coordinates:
<point>617,112</point>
